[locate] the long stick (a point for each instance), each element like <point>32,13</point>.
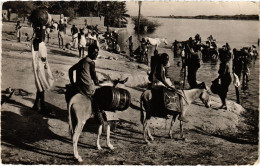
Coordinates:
<point>237,94</point>
<point>139,15</point>
<point>184,77</point>
<point>185,64</point>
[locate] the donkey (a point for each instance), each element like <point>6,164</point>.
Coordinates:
<point>79,111</point>
<point>186,98</point>
<point>156,41</point>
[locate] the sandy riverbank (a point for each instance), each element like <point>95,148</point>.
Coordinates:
<point>213,136</point>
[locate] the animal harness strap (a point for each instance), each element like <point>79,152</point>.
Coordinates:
<point>181,103</point>
<point>182,94</point>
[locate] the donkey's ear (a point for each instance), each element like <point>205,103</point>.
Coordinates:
<point>123,81</point>
<point>203,85</point>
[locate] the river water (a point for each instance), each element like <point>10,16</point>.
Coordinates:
<point>238,33</point>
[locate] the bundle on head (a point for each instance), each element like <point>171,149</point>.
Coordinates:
<point>40,17</point>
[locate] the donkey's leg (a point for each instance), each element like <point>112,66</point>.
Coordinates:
<point>181,130</point>
<point>149,133</point>
<point>75,138</point>
<point>146,127</point>
<point>98,138</point>
<point>174,117</point>
<point>108,137</point>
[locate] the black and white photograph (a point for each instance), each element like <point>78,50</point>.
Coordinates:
<point>130,82</point>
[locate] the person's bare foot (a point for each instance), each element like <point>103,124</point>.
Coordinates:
<point>223,107</point>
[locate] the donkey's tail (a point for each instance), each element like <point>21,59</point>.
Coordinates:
<point>70,118</point>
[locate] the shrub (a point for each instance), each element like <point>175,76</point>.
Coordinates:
<point>144,22</point>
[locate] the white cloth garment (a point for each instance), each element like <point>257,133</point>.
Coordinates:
<point>236,81</point>
<point>42,72</point>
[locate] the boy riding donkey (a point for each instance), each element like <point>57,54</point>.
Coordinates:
<point>86,79</point>
<point>162,88</point>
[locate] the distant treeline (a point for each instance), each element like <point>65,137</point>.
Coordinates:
<point>114,12</point>
<point>215,17</point>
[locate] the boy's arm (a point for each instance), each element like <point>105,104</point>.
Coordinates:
<point>93,73</point>
<point>74,67</point>
<point>162,77</point>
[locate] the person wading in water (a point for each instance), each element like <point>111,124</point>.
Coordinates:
<point>224,76</point>
<point>193,63</point>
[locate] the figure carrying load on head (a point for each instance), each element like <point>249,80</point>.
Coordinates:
<point>42,73</point>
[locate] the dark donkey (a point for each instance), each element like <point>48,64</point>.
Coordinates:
<point>186,98</point>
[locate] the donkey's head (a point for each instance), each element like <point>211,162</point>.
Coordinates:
<point>108,81</point>
<point>118,81</point>
<point>165,41</point>
<point>205,95</point>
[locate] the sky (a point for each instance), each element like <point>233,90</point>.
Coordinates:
<point>192,8</point>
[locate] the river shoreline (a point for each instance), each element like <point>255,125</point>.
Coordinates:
<point>214,17</point>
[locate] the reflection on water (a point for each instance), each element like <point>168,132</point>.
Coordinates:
<point>237,33</point>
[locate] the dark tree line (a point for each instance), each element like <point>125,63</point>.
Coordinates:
<point>114,12</point>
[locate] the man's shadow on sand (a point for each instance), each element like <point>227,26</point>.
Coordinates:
<point>61,114</point>
<point>22,131</point>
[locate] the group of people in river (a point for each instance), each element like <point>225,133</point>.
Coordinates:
<point>192,54</point>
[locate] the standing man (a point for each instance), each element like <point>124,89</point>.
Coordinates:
<point>193,63</point>
<point>60,34</point>
<point>224,76</point>
<point>82,43</point>
<point>130,43</point>
<point>65,25</point>
<point>74,33</point>
<point>18,31</point>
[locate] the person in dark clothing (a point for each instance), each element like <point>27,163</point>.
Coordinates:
<point>237,69</point>
<point>237,63</point>
<point>18,31</point>
<point>144,51</point>
<point>74,30</point>
<point>193,62</point>
<point>154,60</point>
<point>225,78</point>
<point>245,68</point>
<point>130,43</point>
<point>197,39</point>
<point>27,37</point>
<point>61,34</point>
